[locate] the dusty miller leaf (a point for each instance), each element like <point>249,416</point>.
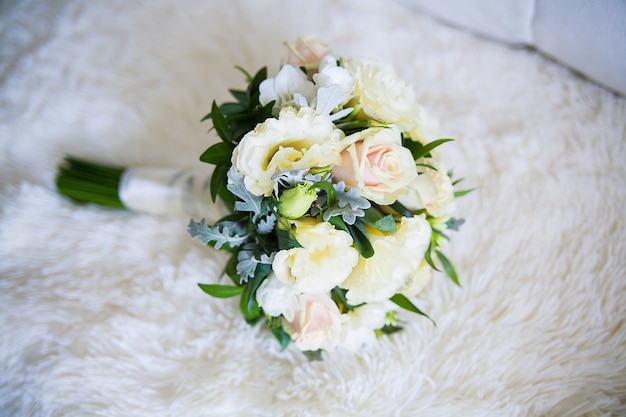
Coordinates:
<point>328,99</point>
<point>218,235</point>
<point>246,264</point>
<point>349,204</point>
<point>266,224</point>
<point>249,202</point>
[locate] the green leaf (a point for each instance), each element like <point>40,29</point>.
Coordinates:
<point>218,154</point>
<point>313,355</point>
<point>401,209</point>
<point>330,191</point>
<point>241,97</point>
<point>220,124</point>
<point>231,269</point>
<point>406,304</point>
<point>447,266</point>
<point>231,109</point>
<point>285,235</point>
<point>221,291</point>
<point>248,304</point>
<point>461,193</point>
<point>358,233</point>
<point>253,88</point>
<point>218,180</point>
<point>427,166</point>
<point>244,72</point>
<point>281,335</point>
<point>387,329</point>
<point>339,297</point>
<point>378,220</point>
<point>429,258</point>
<point>418,150</point>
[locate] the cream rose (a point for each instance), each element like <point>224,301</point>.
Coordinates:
<point>396,257</point>
<point>382,94</point>
<point>306,50</point>
<point>324,262</point>
<point>431,190</point>
<point>298,139</point>
<point>375,161</point>
<point>317,323</point>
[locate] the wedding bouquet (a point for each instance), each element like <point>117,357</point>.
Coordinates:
<point>338,199</point>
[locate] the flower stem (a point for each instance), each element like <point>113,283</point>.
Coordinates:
<point>88,182</point>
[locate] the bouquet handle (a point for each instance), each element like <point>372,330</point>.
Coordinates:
<point>149,190</point>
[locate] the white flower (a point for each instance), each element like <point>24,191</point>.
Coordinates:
<point>431,190</point>
<point>298,139</point>
<point>331,74</point>
<point>375,161</point>
<point>383,95</point>
<point>317,323</point>
<point>396,257</point>
<point>324,262</point>
<point>362,321</point>
<point>277,298</point>
<point>283,88</point>
<point>417,280</point>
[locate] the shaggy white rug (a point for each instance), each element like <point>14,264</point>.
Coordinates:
<point>100,311</point>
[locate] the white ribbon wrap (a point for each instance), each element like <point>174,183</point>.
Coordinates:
<point>170,192</point>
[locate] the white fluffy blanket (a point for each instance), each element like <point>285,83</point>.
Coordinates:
<point>100,311</point>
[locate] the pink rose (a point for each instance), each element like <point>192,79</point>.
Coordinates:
<point>375,161</point>
<point>307,51</point>
<point>317,323</point>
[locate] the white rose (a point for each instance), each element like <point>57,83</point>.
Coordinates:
<point>362,321</point>
<point>383,95</point>
<point>283,88</point>
<point>324,262</point>
<point>396,257</point>
<point>317,323</point>
<point>431,190</point>
<point>375,161</point>
<point>298,139</point>
<point>277,298</point>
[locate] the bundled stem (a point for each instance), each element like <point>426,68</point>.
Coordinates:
<point>88,182</point>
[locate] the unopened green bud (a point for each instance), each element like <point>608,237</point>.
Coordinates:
<point>295,202</point>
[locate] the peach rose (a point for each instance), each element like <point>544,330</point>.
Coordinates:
<point>317,323</point>
<point>375,161</point>
<point>307,50</point>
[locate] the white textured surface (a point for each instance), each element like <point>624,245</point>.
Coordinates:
<point>100,311</point>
